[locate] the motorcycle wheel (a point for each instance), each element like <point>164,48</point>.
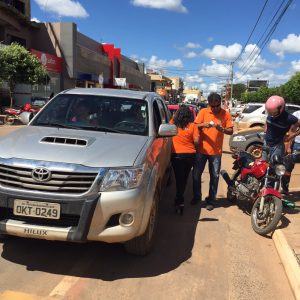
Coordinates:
<point>9,120</point>
<point>267,221</point>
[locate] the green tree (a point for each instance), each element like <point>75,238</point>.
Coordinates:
<point>237,90</point>
<point>290,91</point>
<point>18,65</point>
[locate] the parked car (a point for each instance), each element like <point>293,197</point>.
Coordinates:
<point>90,166</point>
<point>174,107</point>
<point>39,101</point>
<point>254,115</point>
<point>236,110</point>
<point>250,140</point>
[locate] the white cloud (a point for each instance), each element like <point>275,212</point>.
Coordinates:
<point>35,20</point>
<point>213,87</point>
<point>291,44</point>
<point>63,8</point>
<point>252,62</point>
<point>174,5</point>
<point>215,70</point>
<point>191,45</point>
<point>222,52</point>
<point>193,79</point>
<point>210,39</point>
<point>296,65</point>
<point>191,54</point>
<point>156,64</point>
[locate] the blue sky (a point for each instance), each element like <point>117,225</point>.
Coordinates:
<point>195,39</point>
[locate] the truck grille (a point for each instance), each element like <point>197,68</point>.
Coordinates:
<point>60,182</point>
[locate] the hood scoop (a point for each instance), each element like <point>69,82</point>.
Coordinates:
<point>64,141</point>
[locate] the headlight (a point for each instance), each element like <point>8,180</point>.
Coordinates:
<point>280,170</point>
<point>122,179</point>
<point>239,138</point>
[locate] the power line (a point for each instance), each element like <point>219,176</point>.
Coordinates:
<point>250,57</point>
<point>262,10</point>
<point>268,36</point>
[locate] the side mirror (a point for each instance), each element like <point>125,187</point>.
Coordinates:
<point>25,117</point>
<point>167,130</point>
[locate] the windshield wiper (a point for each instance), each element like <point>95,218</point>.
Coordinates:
<point>61,125</point>
<point>106,129</point>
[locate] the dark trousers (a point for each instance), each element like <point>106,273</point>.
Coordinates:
<point>182,164</point>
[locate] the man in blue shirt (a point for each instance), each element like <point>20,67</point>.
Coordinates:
<point>279,123</point>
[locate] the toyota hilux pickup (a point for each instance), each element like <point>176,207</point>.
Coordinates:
<point>90,166</point>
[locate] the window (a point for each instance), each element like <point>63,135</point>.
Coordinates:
<point>291,108</point>
<point>250,108</point>
<point>156,116</point>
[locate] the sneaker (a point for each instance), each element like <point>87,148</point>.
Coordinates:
<point>179,209</point>
<point>209,206</point>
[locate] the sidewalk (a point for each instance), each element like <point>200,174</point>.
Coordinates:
<point>287,236</point>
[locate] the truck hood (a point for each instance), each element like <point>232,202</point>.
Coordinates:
<point>92,148</point>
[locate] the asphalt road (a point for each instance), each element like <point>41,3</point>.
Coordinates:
<point>201,255</point>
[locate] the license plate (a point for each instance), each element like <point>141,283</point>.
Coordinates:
<point>36,209</point>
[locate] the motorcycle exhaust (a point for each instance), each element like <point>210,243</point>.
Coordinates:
<point>227,178</point>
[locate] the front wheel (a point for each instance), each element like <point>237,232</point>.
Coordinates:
<point>255,150</point>
<point>266,221</point>
<point>9,120</point>
<point>142,245</point>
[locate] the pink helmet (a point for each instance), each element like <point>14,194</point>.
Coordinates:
<point>275,102</point>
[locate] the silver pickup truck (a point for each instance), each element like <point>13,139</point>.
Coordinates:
<point>89,166</point>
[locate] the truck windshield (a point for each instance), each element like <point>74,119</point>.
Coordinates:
<point>102,113</point>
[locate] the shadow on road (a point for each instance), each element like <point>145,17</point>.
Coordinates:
<point>109,262</point>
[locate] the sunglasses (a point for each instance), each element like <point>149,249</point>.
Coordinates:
<point>215,106</point>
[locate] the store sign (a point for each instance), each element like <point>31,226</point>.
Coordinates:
<point>120,82</point>
<point>52,63</point>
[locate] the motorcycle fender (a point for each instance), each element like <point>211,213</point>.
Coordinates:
<point>270,191</point>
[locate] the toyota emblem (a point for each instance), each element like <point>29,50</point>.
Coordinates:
<point>41,174</point>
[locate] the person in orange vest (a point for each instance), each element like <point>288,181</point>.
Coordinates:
<point>213,122</point>
<point>183,152</point>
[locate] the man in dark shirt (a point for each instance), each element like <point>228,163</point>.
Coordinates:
<point>279,123</point>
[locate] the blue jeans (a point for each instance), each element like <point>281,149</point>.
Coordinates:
<point>277,149</point>
<point>214,165</point>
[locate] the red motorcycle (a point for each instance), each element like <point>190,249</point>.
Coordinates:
<point>258,181</point>
<point>13,114</point>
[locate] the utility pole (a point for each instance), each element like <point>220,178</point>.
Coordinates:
<point>231,81</point>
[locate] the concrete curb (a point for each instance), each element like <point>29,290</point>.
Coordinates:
<point>288,260</point>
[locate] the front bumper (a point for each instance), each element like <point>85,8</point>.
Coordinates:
<point>95,218</point>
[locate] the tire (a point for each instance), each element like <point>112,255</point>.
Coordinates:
<point>9,120</point>
<point>143,244</point>
<point>272,218</point>
<point>255,150</point>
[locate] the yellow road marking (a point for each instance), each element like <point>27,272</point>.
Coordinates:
<point>64,286</point>
<point>12,295</point>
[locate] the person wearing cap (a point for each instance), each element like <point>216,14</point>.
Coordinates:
<point>213,123</point>
<point>279,124</point>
